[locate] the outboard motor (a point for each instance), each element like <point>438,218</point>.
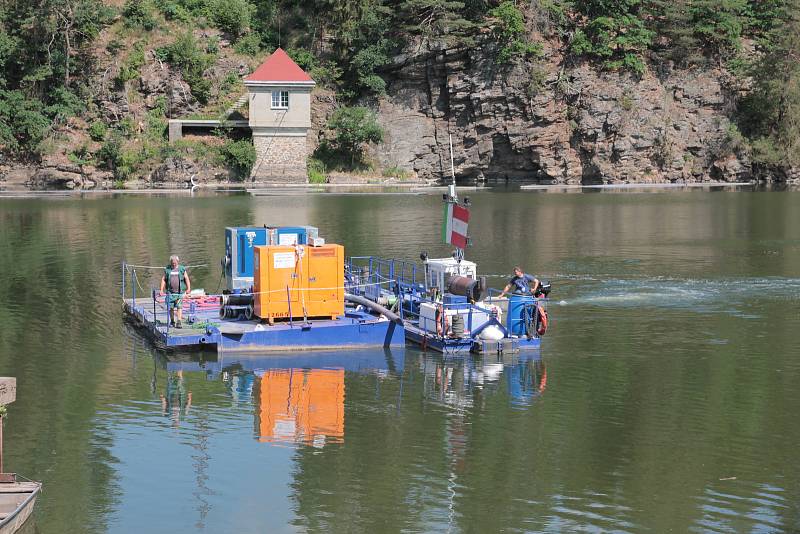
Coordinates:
<point>543,290</point>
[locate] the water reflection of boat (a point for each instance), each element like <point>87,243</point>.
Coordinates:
<point>457,381</point>
<point>299,398</point>
<point>300,405</point>
<point>388,360</point>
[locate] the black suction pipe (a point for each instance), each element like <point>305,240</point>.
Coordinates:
<point>355,299</point>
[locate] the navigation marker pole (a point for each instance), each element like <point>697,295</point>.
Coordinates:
<point>456,217</point>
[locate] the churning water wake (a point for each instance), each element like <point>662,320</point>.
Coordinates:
<point>729,294</point>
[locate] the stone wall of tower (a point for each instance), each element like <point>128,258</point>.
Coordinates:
<point>280,159</point>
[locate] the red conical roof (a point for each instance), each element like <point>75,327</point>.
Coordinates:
<point>279,67</point>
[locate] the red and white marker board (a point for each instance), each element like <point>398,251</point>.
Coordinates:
<point>454,230</point>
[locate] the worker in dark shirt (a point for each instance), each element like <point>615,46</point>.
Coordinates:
<point>521,283</point>
<point>176,283</point>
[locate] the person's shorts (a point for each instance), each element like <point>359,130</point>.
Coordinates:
<point>174,300</point>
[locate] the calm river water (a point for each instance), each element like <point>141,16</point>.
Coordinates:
<point>665,396</point>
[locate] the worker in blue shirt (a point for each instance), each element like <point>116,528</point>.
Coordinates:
<point>521,283</point>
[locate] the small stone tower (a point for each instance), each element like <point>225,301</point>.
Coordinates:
<point>280,116</point>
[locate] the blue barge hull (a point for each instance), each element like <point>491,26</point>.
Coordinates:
<point>356,329</point>
<point>463,345</point>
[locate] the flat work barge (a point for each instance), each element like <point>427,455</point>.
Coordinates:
<point>289,290</point>
<point>207,330</point>
<point>285,291</point>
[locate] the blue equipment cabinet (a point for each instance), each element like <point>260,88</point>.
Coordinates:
<point>238,261</point>
<point>240,241</point>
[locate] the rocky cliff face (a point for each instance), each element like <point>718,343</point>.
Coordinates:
<point>549,122</point>
<point>553,123</point>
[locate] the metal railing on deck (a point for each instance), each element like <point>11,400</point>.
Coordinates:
<point>139,299</point>
<point>375,277</point>
<point>132,288</point>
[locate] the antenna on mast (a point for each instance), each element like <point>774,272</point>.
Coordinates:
<point>452,165</point>
<point>452,172</point>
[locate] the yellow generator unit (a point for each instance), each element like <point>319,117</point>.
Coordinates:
<point>298,281</point>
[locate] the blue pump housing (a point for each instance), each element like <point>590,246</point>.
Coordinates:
<point>240,242</point>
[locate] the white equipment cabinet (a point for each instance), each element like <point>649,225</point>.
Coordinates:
<point>436,270</point>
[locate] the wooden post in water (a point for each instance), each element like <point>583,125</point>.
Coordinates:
<point>8,394</point>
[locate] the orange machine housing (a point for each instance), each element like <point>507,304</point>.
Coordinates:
<point>301,281</point>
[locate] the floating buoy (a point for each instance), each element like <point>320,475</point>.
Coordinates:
<point>541,321</point>
<point>491,333</point>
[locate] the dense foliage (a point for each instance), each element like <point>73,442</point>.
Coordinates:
<point>240,156</point>
<point>510,33</point>
<point>770,114</point>
<point>45,61</point>
<point>49,51</point>
<point>186,54</point>
<point>352,127</point>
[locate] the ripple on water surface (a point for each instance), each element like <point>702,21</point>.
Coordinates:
<point>669,404</point>
<point>696,294</point>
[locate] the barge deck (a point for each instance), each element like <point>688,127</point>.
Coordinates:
<point>204,329</point>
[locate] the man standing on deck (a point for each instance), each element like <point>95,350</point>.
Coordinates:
<point>176,283</point>
<point>521,284</point>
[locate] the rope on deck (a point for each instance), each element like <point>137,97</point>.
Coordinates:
<point>130,266</point>
<point>136,278</point>
<point>282,290</point>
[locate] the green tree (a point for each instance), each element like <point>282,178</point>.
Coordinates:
<point>615,34</point>
<point>352,127</point>
<point>110,153</point>
<point>8,46</point>
<point>232,16</point>
<point>186,54</point>
<point>607,8</point>
<point>49,40</point>
<point>22,124</point>
<point>364,48</point>
<point>436,19</point>
<point>509,31</point>
<point>770,114</point>
<point>43,52</point>
<point>240,156</point>
<point>718,24</point>
<point>98,130</point>
<point>139,14</point>
<point>761,16</point>
<point>678,42</point>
